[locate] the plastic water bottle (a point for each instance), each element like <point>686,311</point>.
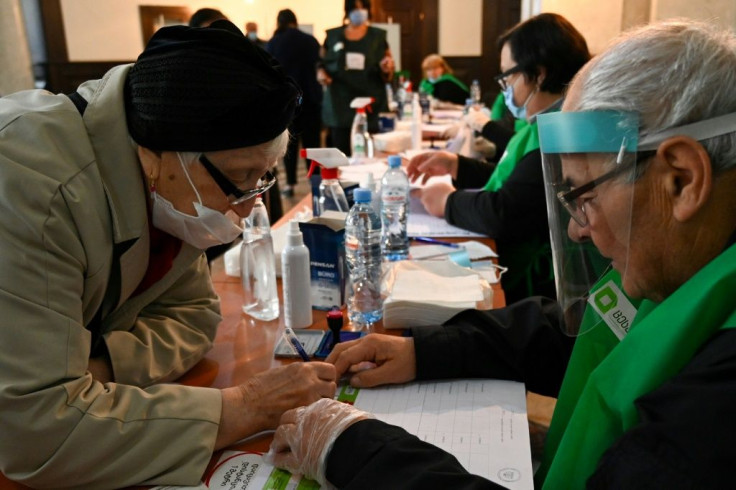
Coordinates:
<point>296,279</point>
<point>359,134</point>
<point>394,211</point>
<point>258,266</point>
<point>416,123</point>
<point>363,257</point>
<point>475,91</point>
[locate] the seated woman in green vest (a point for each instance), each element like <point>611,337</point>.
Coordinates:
<point>539,57</point>
<point>441,83</point>
<point>644,168</point>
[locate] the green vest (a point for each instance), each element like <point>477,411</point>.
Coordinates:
<point>428,87</point>
<point>522,142</point>
<point>605,376</point>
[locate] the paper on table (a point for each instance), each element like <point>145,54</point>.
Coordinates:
<point>354,172</point>
<point>411,285</point>
<point>482,422</point>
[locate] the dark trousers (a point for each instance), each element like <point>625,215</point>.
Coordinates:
<point>305,129</point>
<point>340,139</point>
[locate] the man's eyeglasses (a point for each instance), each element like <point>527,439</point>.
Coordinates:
<point>501,79</point>
<point>572,199</point>
<point>234,194</point>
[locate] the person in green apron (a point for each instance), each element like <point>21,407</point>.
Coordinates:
<point>539,57</point>
<point>441,83</point>
<point>640,172</point>
<point>356,62</point>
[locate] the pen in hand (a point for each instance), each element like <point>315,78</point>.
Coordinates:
<point>293,341</point>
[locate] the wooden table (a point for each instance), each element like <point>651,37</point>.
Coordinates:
<point>244,346</point>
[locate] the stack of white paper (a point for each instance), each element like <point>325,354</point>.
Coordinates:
<point>430,293</point>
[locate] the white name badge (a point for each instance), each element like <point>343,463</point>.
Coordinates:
<point>354,61</point>
<point>614,307</point>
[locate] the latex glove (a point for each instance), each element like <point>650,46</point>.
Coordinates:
<point>476,119</point>
<point>305,437</point>
<point>484,147</point>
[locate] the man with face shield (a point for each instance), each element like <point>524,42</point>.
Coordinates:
<point>108,198</point>
<point>640,174</point>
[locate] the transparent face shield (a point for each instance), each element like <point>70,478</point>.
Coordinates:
<point>589,161</point>
<point>592,162</point>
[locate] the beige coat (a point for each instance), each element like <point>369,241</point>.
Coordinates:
<point>70,191</point>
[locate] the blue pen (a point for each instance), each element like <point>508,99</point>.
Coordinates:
<point>293,341</point>
<point>425,239</point>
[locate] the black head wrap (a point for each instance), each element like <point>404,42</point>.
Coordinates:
<point>206,89</point>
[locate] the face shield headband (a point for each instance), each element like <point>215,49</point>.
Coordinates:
<point>590,161</point>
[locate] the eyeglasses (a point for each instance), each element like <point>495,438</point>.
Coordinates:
<point>235,195</point>
<point>501,79</point>
<point>572,199</point>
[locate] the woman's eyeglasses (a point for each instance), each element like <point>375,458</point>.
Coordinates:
<point>234,194</point>
<point>502,78</point>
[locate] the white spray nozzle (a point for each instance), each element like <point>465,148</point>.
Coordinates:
<point>361,102</point>
<point>325,158</point>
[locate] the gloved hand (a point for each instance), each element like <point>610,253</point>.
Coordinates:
<point>305,437</point>
<point>476,119</point>
<point>484,147</point>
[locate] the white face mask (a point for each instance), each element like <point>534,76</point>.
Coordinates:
<point>207,229</point>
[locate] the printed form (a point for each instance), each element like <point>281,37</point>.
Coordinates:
<point>481,422</point>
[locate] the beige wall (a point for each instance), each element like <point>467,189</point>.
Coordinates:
<point>88,22</point>
<point>15,58</point>
<point>600,21</point>
<point>110,29</point>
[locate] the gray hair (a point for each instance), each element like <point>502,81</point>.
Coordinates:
<point>270,151</point>
<point>672,73</point>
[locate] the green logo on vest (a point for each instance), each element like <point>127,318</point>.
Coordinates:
<point>606,299</point>
<point>614,308</point>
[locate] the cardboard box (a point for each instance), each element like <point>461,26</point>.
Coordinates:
<point>324,236</point>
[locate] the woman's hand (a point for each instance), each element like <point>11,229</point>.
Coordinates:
<point>431,163</point>
<point>258,404</point>
<point>323,77</point>
<point>434,198</point>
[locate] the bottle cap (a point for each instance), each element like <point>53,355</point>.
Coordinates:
<point>362,195</point>
<point>294,228</point>
<point>394,161</point>
<point>367,181</point>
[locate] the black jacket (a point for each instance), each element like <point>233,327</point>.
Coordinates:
<point>685,437</point>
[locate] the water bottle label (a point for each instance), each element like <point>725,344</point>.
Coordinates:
<point>393,198</point>
<point>352,243</point>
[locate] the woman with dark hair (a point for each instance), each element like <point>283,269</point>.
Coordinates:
<point>356,62</point>
<point>539,57</point>
<point>298,53</point>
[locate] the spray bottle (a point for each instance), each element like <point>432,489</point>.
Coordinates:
<point>361,141</point>
<point>331,195</point>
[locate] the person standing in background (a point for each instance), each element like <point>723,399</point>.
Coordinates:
<point>356,62</point>
<point>298,54</point>
<point>251,32</point>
